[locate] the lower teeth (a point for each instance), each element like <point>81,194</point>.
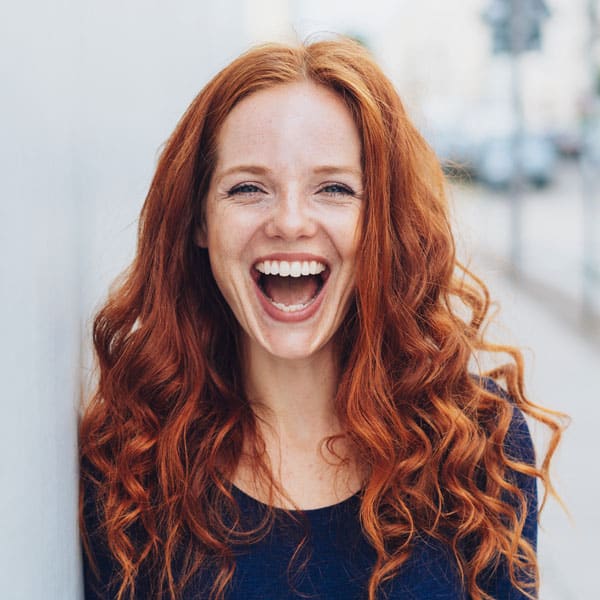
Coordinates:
<point>290,307</point>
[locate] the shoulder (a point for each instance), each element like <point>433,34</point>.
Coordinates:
<point>521,494</point>
<point>103,573</point>
<point>519,450</point>
<point>100,568</point>
<point>518,442</point>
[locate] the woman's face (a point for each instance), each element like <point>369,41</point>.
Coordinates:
<point>282,217</point>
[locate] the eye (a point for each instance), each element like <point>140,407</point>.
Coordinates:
<point>244,189</point>
<point>337,189</point>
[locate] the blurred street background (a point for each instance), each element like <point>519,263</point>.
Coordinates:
<point>506,91</point>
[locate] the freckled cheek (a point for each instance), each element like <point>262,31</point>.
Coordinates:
<point>347,239</point>
<point>231,232</point>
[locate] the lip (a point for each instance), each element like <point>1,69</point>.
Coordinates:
<point>299,315</point>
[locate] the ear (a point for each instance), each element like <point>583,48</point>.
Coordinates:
<point>200,236</point>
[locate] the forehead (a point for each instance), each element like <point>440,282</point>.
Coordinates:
<point>301,121</point>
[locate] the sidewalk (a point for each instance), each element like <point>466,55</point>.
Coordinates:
<point>562,373</point>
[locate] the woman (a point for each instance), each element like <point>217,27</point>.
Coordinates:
<point>285,405</point>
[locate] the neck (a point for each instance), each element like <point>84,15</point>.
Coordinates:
<point>294,398</point>
<point>294,405</point>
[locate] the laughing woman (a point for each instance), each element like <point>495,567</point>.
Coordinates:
<point>285,406</point>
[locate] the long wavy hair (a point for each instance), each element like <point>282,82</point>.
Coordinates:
<point>164,428</point>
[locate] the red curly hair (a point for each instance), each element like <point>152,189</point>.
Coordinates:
<point>164,429</point>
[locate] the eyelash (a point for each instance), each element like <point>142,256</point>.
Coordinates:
<point>331,189</point>
<point>244,189</point>
<point>340,190</point>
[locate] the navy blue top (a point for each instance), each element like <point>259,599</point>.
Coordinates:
<point>339,558</point>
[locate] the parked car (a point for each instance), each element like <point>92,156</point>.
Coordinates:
<point>568,142</point>
<point>496,164</point>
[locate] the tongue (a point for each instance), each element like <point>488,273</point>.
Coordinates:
<point>290,290</point>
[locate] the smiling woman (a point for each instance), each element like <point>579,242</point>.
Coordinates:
<point>285,407</point>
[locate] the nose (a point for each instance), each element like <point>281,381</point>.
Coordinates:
<point>291,217</point>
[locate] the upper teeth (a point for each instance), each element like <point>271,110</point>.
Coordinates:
<point>294,268</point>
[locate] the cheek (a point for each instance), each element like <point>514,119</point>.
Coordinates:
<point>347,234</point>
<point>232,226</point>
<point>229,240</point>
<point>221,246</point>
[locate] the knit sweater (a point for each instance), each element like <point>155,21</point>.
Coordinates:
<point>336,559</point>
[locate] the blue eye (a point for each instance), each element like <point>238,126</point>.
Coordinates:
<point>337,189</point>
<point>244,188</point>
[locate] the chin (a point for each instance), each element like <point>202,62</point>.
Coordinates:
<point>289,348</point>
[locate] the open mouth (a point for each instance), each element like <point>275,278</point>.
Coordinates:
<point>291,286</point>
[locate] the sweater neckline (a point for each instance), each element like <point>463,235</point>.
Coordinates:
<point>309,512</point>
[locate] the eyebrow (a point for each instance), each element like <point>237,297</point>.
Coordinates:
<point>333,169</point>
<point>254,169</point>
<point>260,170</point>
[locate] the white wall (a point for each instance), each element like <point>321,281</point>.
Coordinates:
<point>89,92</point>
<point>40,304</point>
